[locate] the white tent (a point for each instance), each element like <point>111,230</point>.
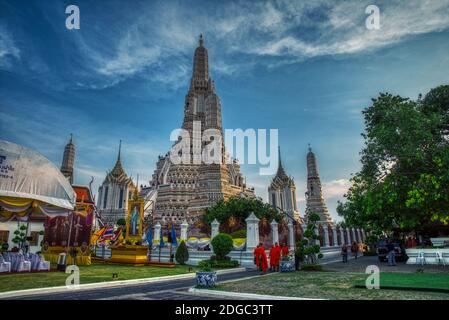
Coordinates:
<point>26,174</point>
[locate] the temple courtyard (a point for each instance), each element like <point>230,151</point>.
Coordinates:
<point>347,281</point>
<point>336,281</point>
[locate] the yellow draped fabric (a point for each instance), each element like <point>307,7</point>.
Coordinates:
<point>8,214</point>
<point>82,210</point>
<point>52,255</point>
<point>16,202</point>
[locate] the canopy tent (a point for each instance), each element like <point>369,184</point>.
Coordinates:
<point>29,182</point>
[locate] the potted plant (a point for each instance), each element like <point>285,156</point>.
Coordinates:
<point>205,277</point>
<point>287,263</point>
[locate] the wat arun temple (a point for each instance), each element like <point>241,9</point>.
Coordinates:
<point>181,192</point>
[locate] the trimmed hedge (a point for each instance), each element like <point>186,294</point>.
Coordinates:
<point>311,267</point>
<point>220,263</point>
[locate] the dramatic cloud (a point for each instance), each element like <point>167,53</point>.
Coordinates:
<point>159,44</point>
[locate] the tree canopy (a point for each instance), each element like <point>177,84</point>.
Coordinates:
<point>232,213</point>
<point>404,179</point>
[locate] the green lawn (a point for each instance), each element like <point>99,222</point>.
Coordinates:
<point>97,272</point>
<point>414,280</point>
<point>336,285</point>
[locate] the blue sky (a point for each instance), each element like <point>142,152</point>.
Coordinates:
<point>307,68</point>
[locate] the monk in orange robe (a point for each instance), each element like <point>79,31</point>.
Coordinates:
<point>261,258</point>
<point>284,250</point>
<point>278,255</point>
<point>275,257</point>
<point>272,257</point>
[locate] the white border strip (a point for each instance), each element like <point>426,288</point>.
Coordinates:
<point>108,284</point>
<point>249,296</point>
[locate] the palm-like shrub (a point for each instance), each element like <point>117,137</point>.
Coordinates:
<point>182,253</point>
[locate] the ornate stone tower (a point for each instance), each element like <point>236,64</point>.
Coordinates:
<point>114,193</point>
<point>68,160</point>
<point>314,195</point>
<point>282,192</point>
<point>183,191</point>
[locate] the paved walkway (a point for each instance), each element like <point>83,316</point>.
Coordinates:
<point>165,290</point>
<point>360,264</point>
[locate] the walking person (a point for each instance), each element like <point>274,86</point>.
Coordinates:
<point>391,253</point>
<point>272,258</point>
<point>278,255</point>
<point>284,250</point>
<point>275,256</point>
<point>261,258</point>
<point>354,249</point>
<point>344,253</point>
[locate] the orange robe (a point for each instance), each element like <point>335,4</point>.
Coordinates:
<point>261,258</point>
<point>278,253</point>
<point>285,251</point>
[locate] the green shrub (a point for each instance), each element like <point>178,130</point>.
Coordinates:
<point>222,244</point>
<point>224,263</point>
<point>205,266</point>
<point>214,263</point>
<point>182,253</point>
<point>312,267</point>
<point>121,222</point>
<point>239,234</point>
<point>5,246</point>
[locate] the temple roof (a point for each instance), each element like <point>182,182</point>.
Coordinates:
<point>312,167</point>
<point>200,61</point>
<point>118,174</point>
<point>281,179</point>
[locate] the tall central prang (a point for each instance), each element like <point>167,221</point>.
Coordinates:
<point>183,191</point>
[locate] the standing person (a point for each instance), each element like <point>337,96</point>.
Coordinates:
<point>284,250</point>
<point>354,249</point>
<point>273,257</point>
<point>278,255</point>
<point>391,253</point>
<point>256,262</point>
<point>261,258</point>
<point>344,253</point>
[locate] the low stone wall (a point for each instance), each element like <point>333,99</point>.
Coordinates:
<point>430,256</point>
<point>245,258</point>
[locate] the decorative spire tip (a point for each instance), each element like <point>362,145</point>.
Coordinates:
<point>119,150</point>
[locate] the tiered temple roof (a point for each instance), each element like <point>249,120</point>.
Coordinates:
<point>184,191</point>
<point>314,195</point>
<point>117,174</point>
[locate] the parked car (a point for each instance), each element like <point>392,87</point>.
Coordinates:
<point>399,249</point>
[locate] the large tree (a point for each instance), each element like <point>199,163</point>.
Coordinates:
<point>404,179</point>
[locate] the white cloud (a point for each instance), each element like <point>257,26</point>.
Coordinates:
<point>159,44</point>
<point>344,32</point>
<point>335,189</point>
<point>8,48</point>
<point>132,55</point>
